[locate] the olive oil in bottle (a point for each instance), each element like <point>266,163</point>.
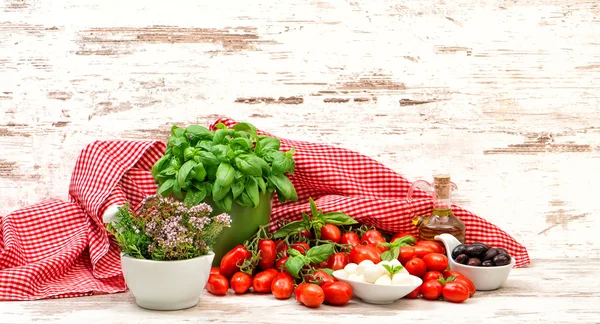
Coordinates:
<point>441,220</point>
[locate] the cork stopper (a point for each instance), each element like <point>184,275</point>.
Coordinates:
<point>441,186</point>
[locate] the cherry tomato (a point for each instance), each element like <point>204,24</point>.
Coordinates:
<point>452,273</point>
<point>363,252</point>
<point>320,265</point>
<point>241,282</point>
<point>282,248</point>
<point>337,293</point>
<point>320,278</point>
<point>282,285</point>
<point>436,262</point>
<point>312,295</point>
<point>374,237</point>
<point>298,291</point>
<point>434,246</point>
<point>401,235</point>
<point>414,294</point>
<point>433,275</point>
<point>331,232</point>
<point>263,280</point>
<point>306,233</point>
<point>350,238</point>
<point>456,292</point>
<point>467,282</point>
<point>301,247</point>
<point>217,285</point>
<point>232,260</point>
<point>422,251</point>
<point>416,267</point>
<point>280,265</point>
<point>431,289</point>
<point>215,270</point>
<point>268,252</point>
<point>338,261</point>
<point>406,253</point>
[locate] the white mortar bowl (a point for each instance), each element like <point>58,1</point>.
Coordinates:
<point>378,294</point>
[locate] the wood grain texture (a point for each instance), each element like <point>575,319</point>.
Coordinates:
<point>502,94</point>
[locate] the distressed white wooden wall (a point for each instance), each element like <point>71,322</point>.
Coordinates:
<point>504,95</point>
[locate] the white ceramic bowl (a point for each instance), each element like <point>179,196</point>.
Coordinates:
<point>484,278</point>
<point>378,294</point>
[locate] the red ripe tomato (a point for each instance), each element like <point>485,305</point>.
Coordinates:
<point>468,282</point>
<point>451,273</point>
<point>434,246</point>
<point>232,260</point>
<point>414,294</point>
<point>298,291</point>
<point>282,285</point>
<point>263,280</point>
<point>432,275</point>
<point>268,253</point>
<point>331,232</point>
<point>422,251</point>
<point>456,292</point>
<point>301,247</point>
<point>350,238</point>
<point>312,295</point>
<point>215,270</point>
<point>241,282</point>
<point>401,235</point>
<point>338,261</point>
<point>217,285</point>
<point>436,262</point>
<point>431,289</point>
<point>320,278</point>
<point>280,265</point>
<point>406,253</point>
<point>375,238</point>
<point>337,293</point>
<point>282,248</point>
<point>363,252</point>
<point>306,233</point>
<point>320,265</point>
<point>416,267</point>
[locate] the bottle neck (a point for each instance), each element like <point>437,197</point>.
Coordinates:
<point>441,197</point>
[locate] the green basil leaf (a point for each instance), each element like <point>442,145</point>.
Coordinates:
<point>177,190</point>
<point>205,145</point>
<point>245,127</point>
<point>305,218</point>
<point>403,241</point>
<point>206,158</point>
<point>160,165</point>
<point>243,144</point>
<point>294,253</point>
<point>338,218</point>
<point>192,197</point>
<point>166,188</point>
<point>220,125</point>
<point>219,136</point>
<point>294,264</point>
<point>328,271</point>
<point>285,188</point>
<point>395,252</point>
<point>289,228</point>
<point>200,173</point>
<point>270,143</point>
<point>387,256</point>
<point>227,201</point>
<point>182,174</point>
<point>221,152</point>
<point>313,207</point>
<point>290,156</point>
<point>177,131</point>
<point>243,164</point>
<point>198,132</point>
<point>168,171</point>
<point>219,192</point>
<point>225,174</point>
<point>201,189</point>
<point>252,190</point>
<point>237,187</point>
<point>261,184</point>
<point>281,164</point>
<point>320,253</point>
<point>244,200</point>
<point>188,153</point>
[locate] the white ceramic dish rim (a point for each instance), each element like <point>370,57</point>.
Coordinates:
<point>372,284</point>
<point>123,255</point>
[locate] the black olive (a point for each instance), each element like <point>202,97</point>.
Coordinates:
<point>475,251</point>
<point>463,259</point>
<point>502,251</point>
<point>487,247</point>
<point>474,262</point>
<point>458,250</point>
<point>490,254</point>
<point>487,263</point>
<point>501,259</point>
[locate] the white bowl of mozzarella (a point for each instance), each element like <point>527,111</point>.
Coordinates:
<point>374,284</point>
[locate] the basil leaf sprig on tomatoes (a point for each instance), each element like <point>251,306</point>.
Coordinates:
<point>228,164</point>
<point>315,255</point>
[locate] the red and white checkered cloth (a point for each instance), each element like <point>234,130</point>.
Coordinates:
<point>61,249</point>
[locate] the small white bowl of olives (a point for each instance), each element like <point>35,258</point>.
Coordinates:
<point>486,266</point>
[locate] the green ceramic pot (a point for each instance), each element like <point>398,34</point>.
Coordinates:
<point>245,221</point>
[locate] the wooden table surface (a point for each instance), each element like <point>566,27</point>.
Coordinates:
<point>502,94</point>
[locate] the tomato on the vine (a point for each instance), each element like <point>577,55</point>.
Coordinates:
<point>305,233</point>
<point>331,232</point>
<point>468,283</point>
<point>401,235</point>
<point>320,278</point>
<point>436,262</point>
<point>298,291</point>
<point>301,247</point>
<point>406,253</point>
<point>312,295</point>
<point>374,238</point>
<point>282,285</point>
<point>337,293</point>
<point>241,282</point>
<point>456,292</point>
<point>363,252</point>
<point>338,261</point>
<point>431,289</point>
<point>434,246</point>
<point>280,265</point>
<point>451,273</point>
<point>232,260</point>
<point>432,275</point>
<point>416,267</point>
<point>422,251</point>
<point>262,281</point>
<point>414,294</point>
<point>268,253</point>
<point>282,248</point>
<point>350,238</point>
<point>217,285</point>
